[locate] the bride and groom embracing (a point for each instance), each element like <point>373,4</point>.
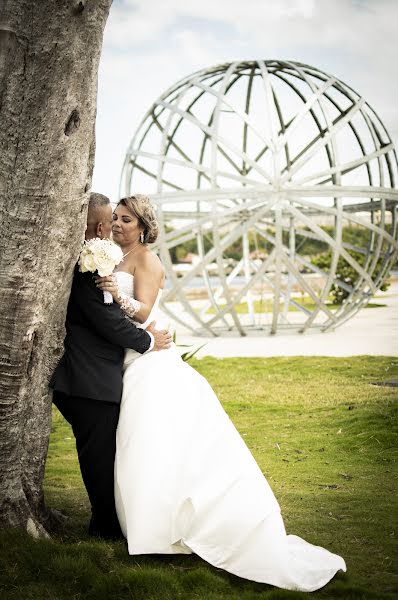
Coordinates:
<point>161,461</point>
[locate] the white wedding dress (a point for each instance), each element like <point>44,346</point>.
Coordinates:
<point>186,482</point>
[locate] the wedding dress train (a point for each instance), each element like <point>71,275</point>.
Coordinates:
<point>186,482</point>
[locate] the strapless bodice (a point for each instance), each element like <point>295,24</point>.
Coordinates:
<point>125,282</point>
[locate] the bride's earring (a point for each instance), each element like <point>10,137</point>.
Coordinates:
<point>142,237</point>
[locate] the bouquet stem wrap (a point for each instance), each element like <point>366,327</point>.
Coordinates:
<point>108,298</point>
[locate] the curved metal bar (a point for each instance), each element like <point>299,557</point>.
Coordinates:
<point>236,196</point>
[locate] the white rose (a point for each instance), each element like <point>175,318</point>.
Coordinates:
<point>104,265</point>
<point>87,262</point>
<point>115,253</point>
<point>94,245</point>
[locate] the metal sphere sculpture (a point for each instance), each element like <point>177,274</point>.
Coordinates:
<point>279,182</point>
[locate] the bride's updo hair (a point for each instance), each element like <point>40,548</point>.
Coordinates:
<point>141,207</point>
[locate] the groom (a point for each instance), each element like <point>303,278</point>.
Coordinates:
<point>87,383</point>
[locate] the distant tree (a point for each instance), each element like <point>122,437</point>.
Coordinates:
<point>345,274</point>
<point>49,56</point>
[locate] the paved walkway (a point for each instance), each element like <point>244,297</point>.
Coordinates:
<point>372,331</point>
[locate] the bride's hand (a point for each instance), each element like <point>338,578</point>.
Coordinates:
<point>108,284</point>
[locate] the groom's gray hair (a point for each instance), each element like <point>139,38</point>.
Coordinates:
<point>98,215</point>
<point>97,200</point>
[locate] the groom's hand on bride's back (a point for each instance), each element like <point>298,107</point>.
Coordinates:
<point>162,337</point>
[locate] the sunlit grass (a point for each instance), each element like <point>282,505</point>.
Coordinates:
<point>266,306</point>
<point>325,438</point>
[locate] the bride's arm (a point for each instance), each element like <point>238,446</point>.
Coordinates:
<point>148,277</point>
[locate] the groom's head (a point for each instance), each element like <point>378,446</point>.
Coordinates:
<point>99,217</point>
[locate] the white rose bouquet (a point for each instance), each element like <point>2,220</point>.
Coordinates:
<point>101,256</point>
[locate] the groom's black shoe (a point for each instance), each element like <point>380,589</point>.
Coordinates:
<point>111,537</point>
<point>105,531</point>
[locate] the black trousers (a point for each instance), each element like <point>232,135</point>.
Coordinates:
<point>94,426</point>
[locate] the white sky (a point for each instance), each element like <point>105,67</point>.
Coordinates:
<point>151,44</point>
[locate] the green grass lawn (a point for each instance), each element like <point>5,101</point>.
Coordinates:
<point>325,438</point>
<point>267,306</point>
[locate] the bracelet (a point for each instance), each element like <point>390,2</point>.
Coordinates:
<point>129,305</point>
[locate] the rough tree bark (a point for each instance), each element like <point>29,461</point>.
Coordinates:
<point>49,55</point>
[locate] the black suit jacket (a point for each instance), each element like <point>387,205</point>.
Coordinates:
<point>96,336</point>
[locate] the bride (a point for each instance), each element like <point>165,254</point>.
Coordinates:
<point>184,479</point>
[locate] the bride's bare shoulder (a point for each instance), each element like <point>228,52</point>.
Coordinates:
<point>149,261</point>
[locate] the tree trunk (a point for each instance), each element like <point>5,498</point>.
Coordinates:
<point>49,55</point>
